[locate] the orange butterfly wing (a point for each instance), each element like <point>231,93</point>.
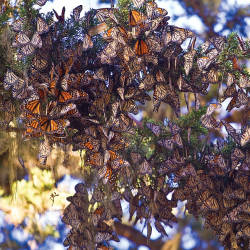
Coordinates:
<point>141,48</point>
<point>48,125</point>
<point>33,106</point>
<point>64,96</point>
<point>135,18</point>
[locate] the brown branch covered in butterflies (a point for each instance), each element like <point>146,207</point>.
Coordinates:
<point>136,236</point>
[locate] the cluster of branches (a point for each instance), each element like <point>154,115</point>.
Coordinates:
<point>78,81</point>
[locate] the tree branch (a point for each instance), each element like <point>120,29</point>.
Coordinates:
<point>135,236</point>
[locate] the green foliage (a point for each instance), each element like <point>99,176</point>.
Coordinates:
<point>231,51</point>
<point>124,7</point>
<point>26,10</point>
<point>192,120</point>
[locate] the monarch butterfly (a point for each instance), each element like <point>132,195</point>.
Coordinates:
<point>229,203</point>
<point>100,237</point>
<point>233,216</point>
<point>239,99</point>
<point>235,64</point>
<point>53,126</point>
<point>33,124</point>
<point>76,12</point>
<point>117,33</point>
<point>160,12</point>
<point>119,163</point>
<point>120,92</point>
<point>99,74</point>
<point>147,83</point>
<point>44,151</point>
<point>111,49</point>
<point>141,47</point>
<point>212,54</point>
<point>47,41</point>
<point>175,129</point>
<point>179,35</point>
<point>154,44</point>
<point>19,91</point>
<point>238,194</point>
<point>32,105</point>
<point>27,50</point>
<point>103,14</point>
<point>22,39</point>
<point>36,40</point>
<point>244,207</point>
<point>160,93</point>
<point>244,231</point>
<point>60,18</point>
<point>245,137</point>
<point>92,144</point>
<point>212,107</point>
<point>203,62</point>
<point>213,219</point>
<point>55,110</point>
<point>64,82</point>
<point>138,3</point>
<point>136,18</point>
<point>39,62</point>
<point>108,174</point>
<point>211,76</point>
<point>242,98</point>
<point>10,79</point>
<point>205,46</point>
<point>177,140</point>
<point>59,139</point>
<point>244,81</point>
<point>111,31</point>
<point>130,106</point>
<point>237,154</point>
<point>17,25</point>
<point>96,159</point>
<point>41,2</point>
<point>150,7</point>
<point>145,168</point>
<point>78,94</point>
<point>91,131</point>
<point>63,96</point>
<point>209,201</point>
<point>87,42</point>
<point>209,122</point>
<point>231,131</point>
<point>189,57</point>
<point>167,143</point>
<point>156,129</point>
<point>218,42</point>
<point>41,26</point>
<point>179,195</point>
<point>232,103</point>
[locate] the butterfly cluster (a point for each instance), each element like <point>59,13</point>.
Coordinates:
<point>217,191</point>
<point>96,228</point>
<point>84,92</point>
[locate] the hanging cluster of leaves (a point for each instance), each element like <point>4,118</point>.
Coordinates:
<point>82,79</point>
